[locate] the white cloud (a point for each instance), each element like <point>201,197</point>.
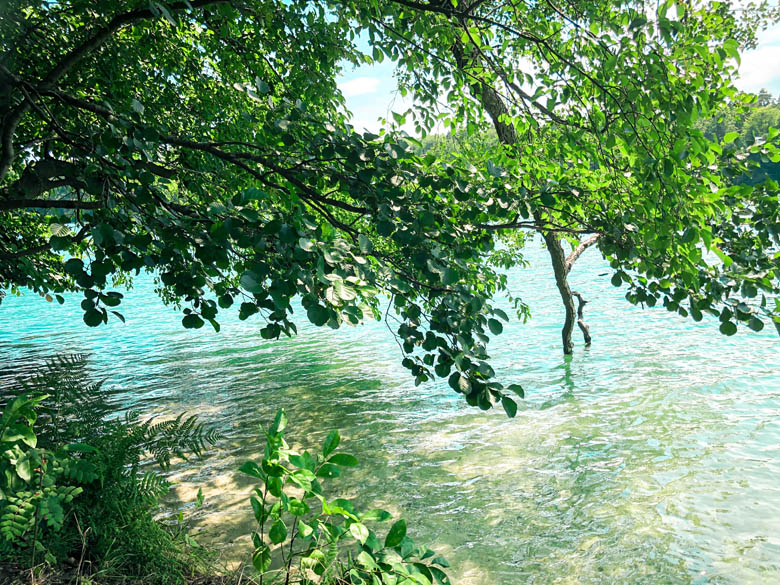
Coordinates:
<point>359,86</point>
<point>759,67</point>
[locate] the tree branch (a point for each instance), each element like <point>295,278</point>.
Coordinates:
<point>9,204</point>
<point>581,319</point>
<point>94,42</point>
<point>43,247</point>
<point>213,148</point>
<point>36,179</point>
<point>577,252</point>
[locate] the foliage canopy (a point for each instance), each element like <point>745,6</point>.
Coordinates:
<point>207,142</point>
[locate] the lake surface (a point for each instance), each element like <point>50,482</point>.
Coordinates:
<point>651,458</point>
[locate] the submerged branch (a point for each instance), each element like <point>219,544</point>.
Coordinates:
<point>581,319</point>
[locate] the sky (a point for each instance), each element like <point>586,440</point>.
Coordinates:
<point>370,89</point>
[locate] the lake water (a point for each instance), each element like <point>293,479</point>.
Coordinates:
<point>651,458</point>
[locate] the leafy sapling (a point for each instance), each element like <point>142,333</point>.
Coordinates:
<point>301,536</point>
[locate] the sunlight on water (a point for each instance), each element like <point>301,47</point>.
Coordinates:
<point>651,458</point>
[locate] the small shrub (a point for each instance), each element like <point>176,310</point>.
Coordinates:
<point>302,537</point>
<point>73,481</point>
<point>36,484</point>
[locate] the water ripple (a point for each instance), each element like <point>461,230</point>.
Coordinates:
<point>650,458</point>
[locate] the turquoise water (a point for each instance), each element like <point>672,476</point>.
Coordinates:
<point>651,458</point>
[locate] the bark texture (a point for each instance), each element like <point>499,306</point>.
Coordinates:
<point>558,258</point>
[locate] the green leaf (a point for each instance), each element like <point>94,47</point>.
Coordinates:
<point>304,530</point>
<point>306,244</point>
<point>459,382</point>
<point>547,199</point>
<point>366,246</point>
<point>367,561</point>
<point>257,508</point>
<point>280,422</point>
<point>449,276</point>
<point>728,328</point>
<point>251,283</point>
<point>318,315</point>
<point>93,317</point>
<point>500,313</point>
<point>19,432</point>
<point>691,234</point>
<point>440,576</point>
<point>192,321</point>
<point>305,461</point>
<point>253,469</point>
<point>510,406</point>
<point>298,507</point>
<point>359,531</point>
<point>261,559</point>
<point>24,468</point>
<point>396,534</point>
<point>344,460</point>
<point>730,137</point>
<point>727,261</point>
<point>262,86</point>
<point>496,328</point>
<point>517,389</point>
<point>303,478</point>
<point>331,442</point>
<point>328,470</point>
<point>278,532</point>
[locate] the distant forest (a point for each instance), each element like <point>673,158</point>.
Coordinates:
<point>751,123</point>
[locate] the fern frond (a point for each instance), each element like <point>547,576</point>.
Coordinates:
<point>180,436</point>
<point>152,487</point>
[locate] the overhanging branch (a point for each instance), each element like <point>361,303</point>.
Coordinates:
<point>9,204</point>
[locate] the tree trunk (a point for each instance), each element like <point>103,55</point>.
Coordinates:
<point>495,107</point>
<point>558,258</point>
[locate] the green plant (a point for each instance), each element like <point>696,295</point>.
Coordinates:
<point>302,537</point>
<point>75,479</point>
<point>34,482</point>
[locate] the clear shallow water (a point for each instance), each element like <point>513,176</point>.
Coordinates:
<point>651,458</point>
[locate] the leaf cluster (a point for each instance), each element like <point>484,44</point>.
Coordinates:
<point>303,537</point>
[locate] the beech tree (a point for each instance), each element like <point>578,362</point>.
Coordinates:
<point>206,142</point>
